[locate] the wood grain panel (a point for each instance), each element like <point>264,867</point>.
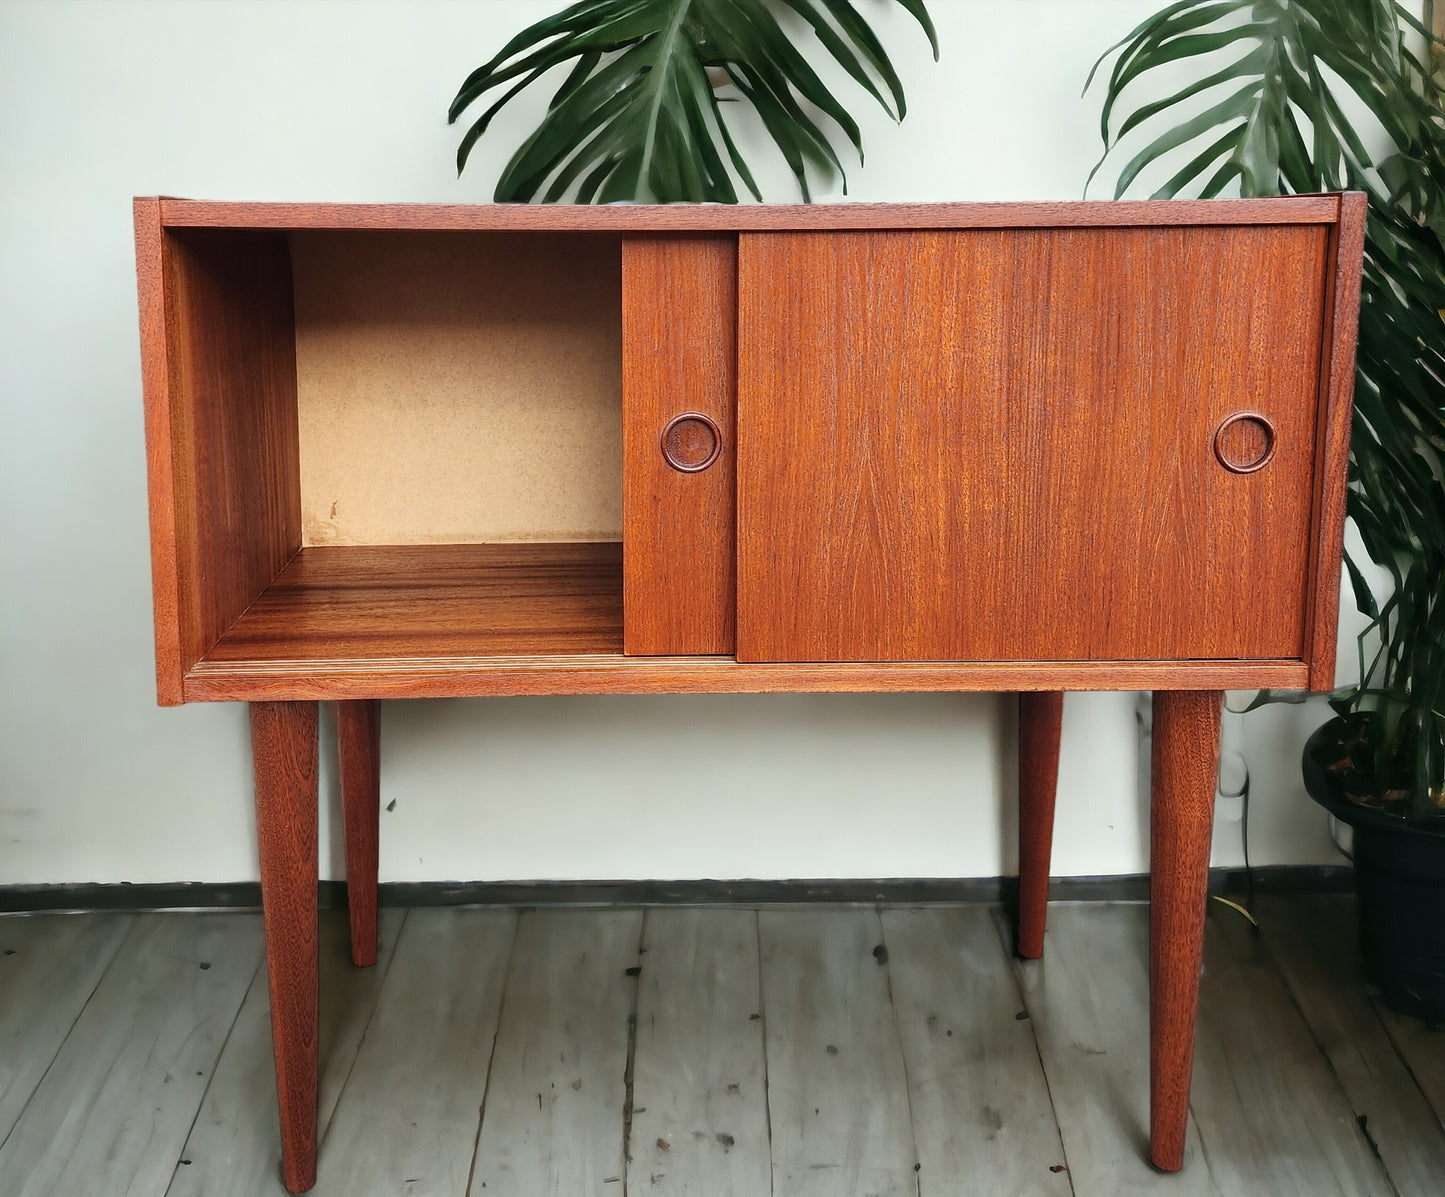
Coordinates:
<point>155,359</point>
<point>1010,458</point>
<point>1332,461</point>
<point>462,677</point>
<point>232,400</point>
<point>679,336</point>
<point>663,218</point>
<point>404,601</point>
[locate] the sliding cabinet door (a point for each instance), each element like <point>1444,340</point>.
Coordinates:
<point>1016,444</point>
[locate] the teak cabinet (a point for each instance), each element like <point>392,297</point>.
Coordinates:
<point>410,451</point>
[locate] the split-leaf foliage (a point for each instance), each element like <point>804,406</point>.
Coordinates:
<point>639,116</point>
<point>1280,101</point>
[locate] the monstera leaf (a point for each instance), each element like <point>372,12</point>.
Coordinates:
<point>640,115</point>
<point>1281,96</point>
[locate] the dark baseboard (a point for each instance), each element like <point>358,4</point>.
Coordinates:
<point>905,891</point>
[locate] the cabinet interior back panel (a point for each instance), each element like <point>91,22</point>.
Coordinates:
<point>998,445</point>
<point>458,388</point>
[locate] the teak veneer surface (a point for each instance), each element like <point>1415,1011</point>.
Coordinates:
<point>999,444</point>
<point>679,546</point>
<point>1337,390</point>
<point>340,602</point>
<point>221,430</point>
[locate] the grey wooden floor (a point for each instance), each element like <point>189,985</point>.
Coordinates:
<point>807,1052</point>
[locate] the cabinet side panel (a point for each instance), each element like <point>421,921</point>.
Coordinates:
<point>1000,445</point>
<point>1332,463</point>
<point>679,338</point>
<point>160,476</point>
<point>233,424</point>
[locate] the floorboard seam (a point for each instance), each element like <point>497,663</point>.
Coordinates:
<point>323,1131</point>
<point>629,1075</point>
<point>60,1046</point>
<point>763,1027</point>
<point>1293,998</point>
<point>491,1055</point>
<point>1005,938</point>
<point>215,1064</point>
<point>1374,1005</point>
<point>887,963</point>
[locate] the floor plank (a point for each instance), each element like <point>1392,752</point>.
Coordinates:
<point>406,1119</point>
<point>234,1148</point>
<point>50,964</point>
<point>982,1118</point>
<point>1271,1112</point>
<point>837,1092</point>
<point>1088,1002</point>
<point>1422,1047</point>
<point>1312,941</point>
<point>700,1107</point>
<point>115,1107</point>
<point>553,1123</point>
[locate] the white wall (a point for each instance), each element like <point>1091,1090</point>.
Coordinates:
<point>308,100</point>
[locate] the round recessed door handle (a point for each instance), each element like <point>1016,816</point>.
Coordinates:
<point>691,442</point>
<point>1244,442</point>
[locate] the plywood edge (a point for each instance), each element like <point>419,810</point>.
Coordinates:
<point>1302,209</point>
<point>442,677</point>
<point>160,463</point>
<point>1332,451</point>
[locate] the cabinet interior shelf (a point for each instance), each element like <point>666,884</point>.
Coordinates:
<point>370,602</point>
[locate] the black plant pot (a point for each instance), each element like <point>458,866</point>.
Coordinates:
<point>1400,881</point>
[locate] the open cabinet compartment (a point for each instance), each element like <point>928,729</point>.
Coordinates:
<point>393,444</point>
<point>416,450</point>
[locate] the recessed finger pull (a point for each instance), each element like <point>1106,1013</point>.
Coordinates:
<point>691,442</point>
<point>1244,442</point>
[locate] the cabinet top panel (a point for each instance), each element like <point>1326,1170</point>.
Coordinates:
<point>666,218</point>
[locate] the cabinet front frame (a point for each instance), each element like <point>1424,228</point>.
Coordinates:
<point>183,675</point>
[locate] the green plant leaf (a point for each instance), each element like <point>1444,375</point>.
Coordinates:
<point>637,117</point>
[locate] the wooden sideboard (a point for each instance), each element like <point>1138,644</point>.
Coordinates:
<point>401,451</point>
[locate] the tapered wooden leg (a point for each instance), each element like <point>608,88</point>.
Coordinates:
<point>358,732</point>
<point>1041,718</point>
<point>1185,773</point>
<point>283,748</point>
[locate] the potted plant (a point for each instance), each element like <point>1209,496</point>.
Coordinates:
<point>639,116</point>
<point>1270,110</point>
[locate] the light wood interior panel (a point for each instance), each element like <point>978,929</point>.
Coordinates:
<point>998,445</point>
<point>458,387</point>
